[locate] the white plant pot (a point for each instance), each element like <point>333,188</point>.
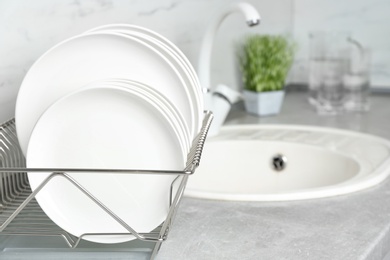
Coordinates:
<point>263,103</point>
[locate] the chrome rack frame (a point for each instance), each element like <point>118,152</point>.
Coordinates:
<point>20,213</point>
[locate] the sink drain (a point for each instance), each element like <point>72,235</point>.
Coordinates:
<point>279,162</point>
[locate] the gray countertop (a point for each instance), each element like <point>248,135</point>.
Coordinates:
<point>354,226</point>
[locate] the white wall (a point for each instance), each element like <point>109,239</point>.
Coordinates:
<point>366,20</point>
<point>29,28</point>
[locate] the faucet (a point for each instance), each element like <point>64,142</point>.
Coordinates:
<point>220,101</point>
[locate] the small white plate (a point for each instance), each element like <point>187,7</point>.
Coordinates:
<point>80,60</point>
<point>173,53</point>
<point>104,128</point>
<point>165,106</point>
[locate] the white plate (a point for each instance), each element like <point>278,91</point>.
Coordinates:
<point>104,128</point>
<point>82,59</point>
<point>172,52</point>
<point>164,105</point>
<point>139,31</point>
<point>154,98</point>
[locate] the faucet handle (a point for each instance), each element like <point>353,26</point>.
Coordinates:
<point>230,95</point>
<point>220,102</point>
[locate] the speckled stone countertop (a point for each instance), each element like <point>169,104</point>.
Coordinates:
<point>354,226</point>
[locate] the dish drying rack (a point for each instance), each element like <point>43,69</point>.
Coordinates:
<point>20,214</point>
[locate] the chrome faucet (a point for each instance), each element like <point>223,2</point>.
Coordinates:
<point>221,100</point>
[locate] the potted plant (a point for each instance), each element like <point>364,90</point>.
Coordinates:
<point>265,63</point>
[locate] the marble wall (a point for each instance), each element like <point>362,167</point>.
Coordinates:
<point>29,28</point>
<point>367,21</point>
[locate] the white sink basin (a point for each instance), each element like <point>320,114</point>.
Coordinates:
<point>246,163</point>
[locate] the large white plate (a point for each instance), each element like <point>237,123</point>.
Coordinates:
<point>171,51</point>
<point>104,128</point>
<point>143,32</point>
<point>94,56</point>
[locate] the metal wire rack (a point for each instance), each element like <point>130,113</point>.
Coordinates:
<point>20,214</point>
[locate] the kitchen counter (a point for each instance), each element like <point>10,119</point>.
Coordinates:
<point>354,226</point>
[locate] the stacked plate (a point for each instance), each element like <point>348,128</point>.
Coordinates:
<point>115,97</point>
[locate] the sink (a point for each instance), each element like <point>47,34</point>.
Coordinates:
<point>286,162</point>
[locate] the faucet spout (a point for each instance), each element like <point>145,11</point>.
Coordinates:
<point>252,18</point>
<point>253,22</point>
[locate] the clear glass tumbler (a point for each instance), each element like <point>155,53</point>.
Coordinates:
<point>331,92</point>
<point>328,61</point>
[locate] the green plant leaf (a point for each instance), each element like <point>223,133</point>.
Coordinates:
<point>265,62</point>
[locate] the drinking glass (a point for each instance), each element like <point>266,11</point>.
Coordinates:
<point>328,62</point>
